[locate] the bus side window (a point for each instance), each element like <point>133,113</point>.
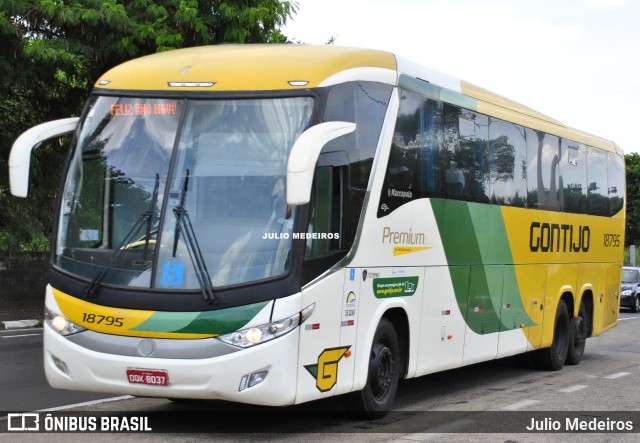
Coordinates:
<point>507,163</point>
<point>414,169</point>
<point>573,176</point>
<point>615,184</point>
<point>597,196</point>
<point>466,147</point>
<point>325,235</point>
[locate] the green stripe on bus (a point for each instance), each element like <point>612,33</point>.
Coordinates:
<point>221,321</point>
<point>480,265</point>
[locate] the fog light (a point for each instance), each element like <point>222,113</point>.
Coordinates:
<point>257,378</point>
<point>249,381</point>
<point>61,365</point>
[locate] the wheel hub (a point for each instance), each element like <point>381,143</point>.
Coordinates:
<point>383,366</point>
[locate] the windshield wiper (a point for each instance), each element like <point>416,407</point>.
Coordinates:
<point>184,227</point>
<point>145,217</point>
<point>154,203</point>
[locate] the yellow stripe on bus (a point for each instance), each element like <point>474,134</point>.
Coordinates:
<point>110,320</point>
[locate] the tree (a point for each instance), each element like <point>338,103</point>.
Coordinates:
<point>632,168</point>
<point>52,52</point>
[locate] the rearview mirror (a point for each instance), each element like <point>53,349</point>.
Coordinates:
<point>304,155</point>
<point>20,157</point>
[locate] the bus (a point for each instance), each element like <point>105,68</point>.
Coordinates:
<point>276,224</point>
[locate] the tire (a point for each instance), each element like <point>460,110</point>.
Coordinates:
<point>553,358</point>
<point>579,331</point>
<point>636,305</point>
<point>376,399</point>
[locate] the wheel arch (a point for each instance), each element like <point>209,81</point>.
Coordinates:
<point>587,299</point>
<point>569,299</point>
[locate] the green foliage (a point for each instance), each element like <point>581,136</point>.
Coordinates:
<point>52,52</point>
<point>632,170</point>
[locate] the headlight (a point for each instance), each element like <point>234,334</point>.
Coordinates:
<point>626,292</point>
<point>60,324</point>
<point>245,338</point>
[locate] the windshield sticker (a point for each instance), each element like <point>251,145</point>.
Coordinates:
<point>395,287</point>
<point>89,235</point>
<point>326,370</point>
<point>173,274</point>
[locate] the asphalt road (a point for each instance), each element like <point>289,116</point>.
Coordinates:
<point>23,386</point>
<point>450,406</point>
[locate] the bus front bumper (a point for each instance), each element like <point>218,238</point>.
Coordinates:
<point>70,366</point>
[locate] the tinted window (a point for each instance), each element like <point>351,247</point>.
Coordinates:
<point>597,198</point>
<point>465,145</point>
<point>615,190</point>
<point>573,176</point>
<point>365,104</point>
<point>507,163</point>
<point>414,169</point>
<point>543,157</point>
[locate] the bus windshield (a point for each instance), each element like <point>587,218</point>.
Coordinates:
<point>142,166</point>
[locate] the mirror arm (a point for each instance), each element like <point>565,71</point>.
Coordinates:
<point>20,157</point>
<point>304,156</point>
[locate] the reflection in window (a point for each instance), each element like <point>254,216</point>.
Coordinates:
<point>365,104</point>
<point>507,163</point>
<point>327,215</point>
<point>597,199</point>
<point>441,150</point>
<point>414,168</point>
<point>573,170</point>
<point>543,156</point>
<point>616,186</point>
<point>234,154</point>
<point>466,134</point>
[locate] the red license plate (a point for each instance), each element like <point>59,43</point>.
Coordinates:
<point>148,377</point>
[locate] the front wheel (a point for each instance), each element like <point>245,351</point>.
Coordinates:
<point>553,358</point>
<point>382,379</point>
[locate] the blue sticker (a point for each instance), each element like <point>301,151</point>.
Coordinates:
<point>172,274</point>
<point>352,274</point>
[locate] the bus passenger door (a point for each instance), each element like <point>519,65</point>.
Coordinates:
<point>324,367</point>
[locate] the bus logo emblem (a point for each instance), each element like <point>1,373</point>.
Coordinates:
<point>326,370</point>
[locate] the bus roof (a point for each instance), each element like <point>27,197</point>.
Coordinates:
<point>287,67</point>
<point>242,67</point>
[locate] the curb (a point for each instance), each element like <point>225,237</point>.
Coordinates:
<point>19,324</point>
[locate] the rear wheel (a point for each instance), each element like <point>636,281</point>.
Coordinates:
<point>579,330</point>
<point>382,379</point>
<point>553,358</point>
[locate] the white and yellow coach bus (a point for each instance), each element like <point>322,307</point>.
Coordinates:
<point>279,224</point>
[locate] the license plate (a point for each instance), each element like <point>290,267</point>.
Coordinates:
<point>148,377</point>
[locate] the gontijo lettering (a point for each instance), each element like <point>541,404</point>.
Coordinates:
<point>553,237</point>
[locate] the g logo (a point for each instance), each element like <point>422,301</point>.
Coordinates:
<point>326,371</point>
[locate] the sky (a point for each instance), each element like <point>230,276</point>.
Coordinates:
<point>577,61</point>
